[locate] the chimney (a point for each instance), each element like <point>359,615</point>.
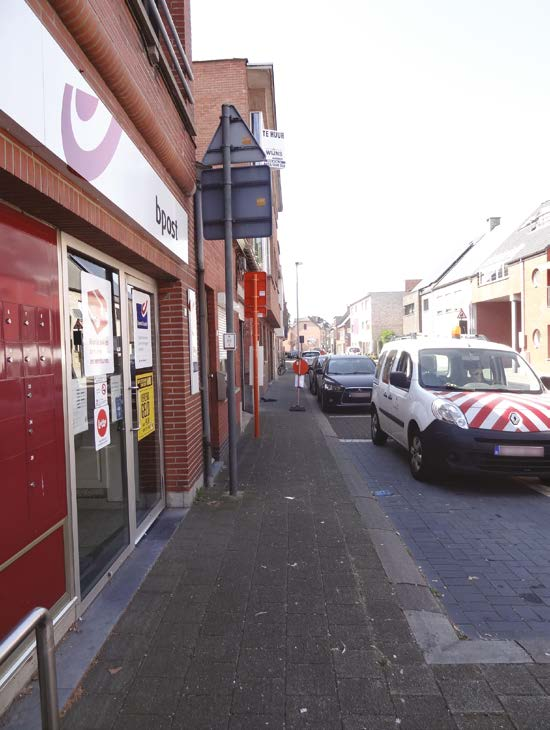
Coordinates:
<point>493,222</point>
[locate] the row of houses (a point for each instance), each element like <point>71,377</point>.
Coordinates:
<point>498,286</point>
<point>112,306</point>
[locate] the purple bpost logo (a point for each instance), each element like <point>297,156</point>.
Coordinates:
<point>88,163</point>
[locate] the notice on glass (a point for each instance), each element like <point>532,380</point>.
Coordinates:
<point>97,325</point>
<point>116,397</point>
<point>145,404</point>
<point>80,406</point>
<point>102,428</point>
<point>100,390</point>
<point>193,340</point>
<point>143,347</point>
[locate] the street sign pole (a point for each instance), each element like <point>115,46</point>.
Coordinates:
<point>256,380</point>
<point>228,226</point>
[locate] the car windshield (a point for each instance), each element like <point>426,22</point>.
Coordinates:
<point>314,353</point>
<point>351,366</point>
<point>476,369</point>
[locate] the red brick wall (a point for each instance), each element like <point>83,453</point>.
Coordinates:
<point>216,83</point>
<point>37,187</point>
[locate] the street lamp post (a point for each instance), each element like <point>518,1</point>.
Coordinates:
<point>298,407</point>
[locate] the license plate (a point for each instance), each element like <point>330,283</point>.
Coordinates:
<point>537,451</point>
<point>359,395</point>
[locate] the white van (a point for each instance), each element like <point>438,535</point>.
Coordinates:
<point>464,405</point>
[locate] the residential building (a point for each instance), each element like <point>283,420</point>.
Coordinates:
<point>100,426</point>
<point>315,332</point>
<point>371,315</point>
<point>510,292</point>
<point>340,334</point>
<point>251,89</point>
<point>411,308</point>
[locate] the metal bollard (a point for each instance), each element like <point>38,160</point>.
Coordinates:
<point>38,620</point>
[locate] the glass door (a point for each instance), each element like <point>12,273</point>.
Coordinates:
<point>98,420</point>
<point>145,400</point>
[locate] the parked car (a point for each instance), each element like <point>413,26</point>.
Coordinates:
<point>346,380</point>
<point>315,372</point>
<point>462,405</point>
<point>310,355</point>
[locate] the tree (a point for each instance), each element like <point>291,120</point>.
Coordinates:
<point>385,336</point>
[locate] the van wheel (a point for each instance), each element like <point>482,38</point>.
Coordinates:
<point>378,436</point>
<point>419,459</point>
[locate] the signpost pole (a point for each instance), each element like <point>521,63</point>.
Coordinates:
<point>228,229</point>
<point>256,379</point>
<point>298,407</point>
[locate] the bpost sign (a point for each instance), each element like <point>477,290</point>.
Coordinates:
<point>47,96</point>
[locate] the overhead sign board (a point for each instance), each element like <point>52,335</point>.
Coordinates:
<point>251,202</point>
<point>273,144</point>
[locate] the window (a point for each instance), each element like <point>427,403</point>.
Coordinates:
<point>404,365</point>
<point>381,364</point>
<point>387,366</point>
<point>536,339</point>
<point>425,304</point>
<point>305,326</point>
<point>495,273</point>
<point>535,277</point>
<point>409,309</point>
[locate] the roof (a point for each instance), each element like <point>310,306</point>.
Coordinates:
<point>340,321</point>
<point>468,264</point>
<point>531,237</point>
<point>443,264</point>
<point>374,293</point>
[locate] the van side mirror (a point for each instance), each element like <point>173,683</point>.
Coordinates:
<point>546,381</point>
<point>400,380</point>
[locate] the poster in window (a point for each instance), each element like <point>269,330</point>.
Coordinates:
<point>80,405</point>
<point>142,329</point>
<point>97,325</point>
<point>193,340</point>
<point>145,405</point>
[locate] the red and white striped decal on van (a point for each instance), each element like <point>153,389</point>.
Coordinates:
<point>495,411</point>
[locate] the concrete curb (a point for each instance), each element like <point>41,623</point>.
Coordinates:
<point>429,624</point>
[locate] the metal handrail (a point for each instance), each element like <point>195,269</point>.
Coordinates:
<point>38,620</point>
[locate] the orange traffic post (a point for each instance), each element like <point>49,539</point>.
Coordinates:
<point>255,363</point>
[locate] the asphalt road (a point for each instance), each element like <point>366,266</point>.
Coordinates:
<point>484,545</point>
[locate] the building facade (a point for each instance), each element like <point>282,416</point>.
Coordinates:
<point>251,89</point>
<point>101,417</point>
<point>371,315</point>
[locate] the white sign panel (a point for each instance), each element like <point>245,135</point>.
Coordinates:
<point>260,365</point>
<point>116,397</point>
<point>43,92</point>
<point>102,428</point>
<point>273,144</point>
<point>97,325</point>
<point>143,347</point>
<point>193,341</point>
<point>230,341</point>
<point>80,405</point>
<point>100,390</point>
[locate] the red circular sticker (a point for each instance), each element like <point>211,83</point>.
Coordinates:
<point>102,422</point>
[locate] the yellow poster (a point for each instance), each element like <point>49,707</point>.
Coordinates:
<point>145,404</point>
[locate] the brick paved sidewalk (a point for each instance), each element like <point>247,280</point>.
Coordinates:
<point>273,611</point>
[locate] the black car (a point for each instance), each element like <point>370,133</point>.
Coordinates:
<point>345,381</point>
<point>315,370</point>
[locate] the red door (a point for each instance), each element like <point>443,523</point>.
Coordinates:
<point>32,453</point>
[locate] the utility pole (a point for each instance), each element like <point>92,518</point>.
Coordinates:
<point>229,314</point>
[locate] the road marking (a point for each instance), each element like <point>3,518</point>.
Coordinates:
<point>355,441</point>
<point>541,488</point>
<point>366,415</point>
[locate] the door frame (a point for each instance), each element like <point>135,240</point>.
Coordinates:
<point>125,272</point>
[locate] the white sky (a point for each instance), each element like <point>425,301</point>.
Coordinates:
<point>407,124</point>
